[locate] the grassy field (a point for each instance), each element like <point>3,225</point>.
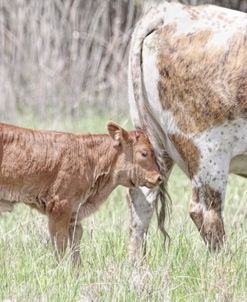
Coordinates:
<point>29,272</point>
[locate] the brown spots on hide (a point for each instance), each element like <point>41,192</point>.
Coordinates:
<point>213,198</point>
<point>194,13</point>
<point>200,83</point>
<point>189,152</point>
<point>222,16</point>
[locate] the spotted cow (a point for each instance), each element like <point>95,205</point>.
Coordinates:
<point>188,88</point>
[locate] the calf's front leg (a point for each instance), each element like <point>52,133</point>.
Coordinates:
<point>75,234</point>
<point>59,216</point>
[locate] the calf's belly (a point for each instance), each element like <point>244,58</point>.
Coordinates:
<point>9,197</point>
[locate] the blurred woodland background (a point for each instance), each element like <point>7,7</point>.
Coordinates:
<point>64,57</point>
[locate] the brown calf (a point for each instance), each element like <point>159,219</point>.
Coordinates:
<point>68,176</point>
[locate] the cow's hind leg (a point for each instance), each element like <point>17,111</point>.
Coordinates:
<point>208,218</point>
<point>141,207</point>
<point>208,193</point>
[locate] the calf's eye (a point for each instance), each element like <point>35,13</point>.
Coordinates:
<point>144,153</point>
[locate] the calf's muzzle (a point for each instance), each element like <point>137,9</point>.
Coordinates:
<point>153,180</point>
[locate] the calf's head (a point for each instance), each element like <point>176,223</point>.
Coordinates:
<point>136,164</point>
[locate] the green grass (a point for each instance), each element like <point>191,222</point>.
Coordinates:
<point>29,271</point>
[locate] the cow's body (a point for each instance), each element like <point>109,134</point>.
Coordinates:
<point>67,176</point>
<point>188,87</point>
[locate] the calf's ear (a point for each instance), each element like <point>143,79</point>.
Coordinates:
<point>117,133</point>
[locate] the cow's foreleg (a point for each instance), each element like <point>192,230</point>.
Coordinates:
<point>141,203</point>
<point>206,212</point>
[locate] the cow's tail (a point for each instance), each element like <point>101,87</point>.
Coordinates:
<point>147,24</point>
<point>141,113</point>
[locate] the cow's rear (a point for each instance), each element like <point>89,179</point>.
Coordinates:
<point>188,88</point>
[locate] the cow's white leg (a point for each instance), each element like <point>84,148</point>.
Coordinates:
<point>141,207</point>
<point>208,193</point>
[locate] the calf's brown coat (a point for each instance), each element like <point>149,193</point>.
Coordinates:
<point>67,176</point>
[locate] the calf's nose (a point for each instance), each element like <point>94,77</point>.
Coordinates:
<point>158,179</point>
